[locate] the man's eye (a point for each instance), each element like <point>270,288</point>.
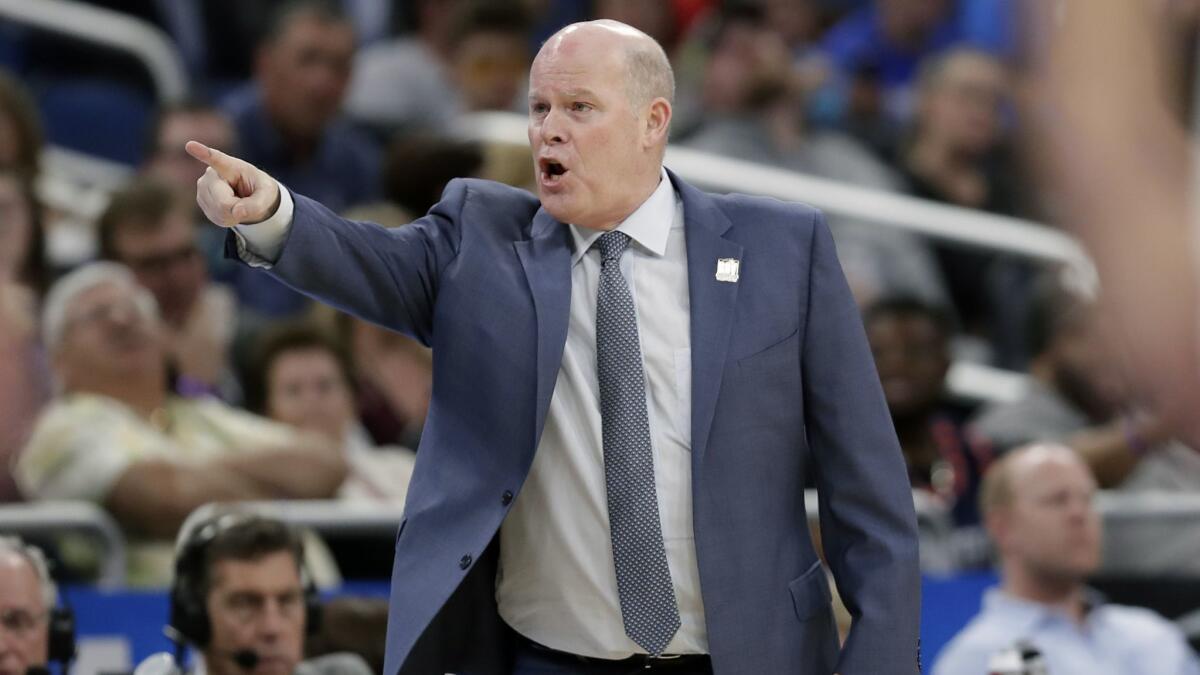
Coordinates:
<point>539,108</point>
<point>580,107</point>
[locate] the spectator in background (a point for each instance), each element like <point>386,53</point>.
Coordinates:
<point>171,127</point>
<point>910,342</point>
<point>1038,506</point>
<point>1077,397</point>
<point>20,128</point>
<point>27,597</point>
<point>149,228</point>
<point>24,380</point>
<point>405,84</point>
<point>957,153</point>
<point>417,169</point>
<point>489,55</point>
<point>465,55</point>
<point>241,585</point>
<point>877,50</point>
<point>756,115</point>
<point>174,125</point>
<point>116,436</point>
<point>289,120</point>
<point>303,378</point>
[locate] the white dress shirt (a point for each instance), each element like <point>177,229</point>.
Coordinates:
<point>557,583</point>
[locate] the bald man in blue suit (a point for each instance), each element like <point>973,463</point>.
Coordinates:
<point>633,383</point>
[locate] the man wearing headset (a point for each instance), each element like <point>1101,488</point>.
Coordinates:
<point>241,598</point>
<point>32,631</point>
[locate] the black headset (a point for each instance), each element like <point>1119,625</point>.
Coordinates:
<point>61,643</point>
<point>189,619</point>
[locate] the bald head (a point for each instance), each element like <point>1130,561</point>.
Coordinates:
<point>599,120</point>
<point>1000,485</point>
<point>647,71</point>
<point>1038,506</point>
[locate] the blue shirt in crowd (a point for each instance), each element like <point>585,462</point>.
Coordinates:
<point>1113,640</point>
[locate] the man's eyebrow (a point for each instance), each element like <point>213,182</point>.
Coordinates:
<point>571,93</point>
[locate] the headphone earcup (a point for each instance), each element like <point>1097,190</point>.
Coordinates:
<point>61,641</point>
<point>189,617</point>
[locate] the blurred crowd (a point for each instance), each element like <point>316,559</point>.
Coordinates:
<point>144,372</point>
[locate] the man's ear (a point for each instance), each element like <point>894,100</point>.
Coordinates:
<point>658,122</point>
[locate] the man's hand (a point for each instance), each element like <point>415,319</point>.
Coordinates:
<point>233,192</point>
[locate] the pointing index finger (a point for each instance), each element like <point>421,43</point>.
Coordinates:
<point>219,161</point>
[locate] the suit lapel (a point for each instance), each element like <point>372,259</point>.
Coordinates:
<point>712,305</point>
<point>546,259</point>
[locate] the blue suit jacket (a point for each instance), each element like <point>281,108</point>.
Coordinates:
<point>784,390</point>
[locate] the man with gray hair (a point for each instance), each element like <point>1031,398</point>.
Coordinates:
<point>117,436</point>
<point>27,598</point>
<point>633,383</point>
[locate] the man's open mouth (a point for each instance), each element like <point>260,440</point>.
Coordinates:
<point>551,171</point>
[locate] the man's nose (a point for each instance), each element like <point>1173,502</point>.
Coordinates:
<point>553,130</point>
<point>273,621</point>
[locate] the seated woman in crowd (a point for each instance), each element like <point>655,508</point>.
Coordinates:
<point>303,378</point>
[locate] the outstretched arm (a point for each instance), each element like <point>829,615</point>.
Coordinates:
<point>386,276</point>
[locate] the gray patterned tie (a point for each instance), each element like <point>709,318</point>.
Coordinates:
<point>648,607</point>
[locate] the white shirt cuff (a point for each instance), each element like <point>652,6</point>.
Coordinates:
<point>260,244</point>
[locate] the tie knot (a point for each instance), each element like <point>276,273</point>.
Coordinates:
<point>612,245</point>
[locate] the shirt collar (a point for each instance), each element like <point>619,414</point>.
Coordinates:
<point>1027,614</point>
<point>649,225</point>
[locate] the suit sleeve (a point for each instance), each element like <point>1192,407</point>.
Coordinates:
<point>868,524</point>
<point>385,276</point>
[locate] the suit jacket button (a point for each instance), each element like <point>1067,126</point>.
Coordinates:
<point>506,499</point>
<point>465,562</point>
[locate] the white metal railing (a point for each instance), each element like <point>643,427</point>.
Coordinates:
<point>108,28</point>
<point>321,516</point>
<point>977,382</point>
<point>962,226</point>
<point>1151,533</point>
<point>43,518</point>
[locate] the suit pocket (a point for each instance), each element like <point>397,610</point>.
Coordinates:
<point>778,354</point>
<point>810,592</point>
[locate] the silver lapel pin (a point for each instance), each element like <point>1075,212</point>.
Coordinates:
<point>727,269</point>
